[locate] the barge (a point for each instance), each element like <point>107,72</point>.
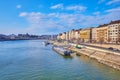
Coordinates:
<point>62,51</point>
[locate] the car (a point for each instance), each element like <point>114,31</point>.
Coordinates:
<point>115,49</point>
<point>83,46</point>
<point>111,48</point>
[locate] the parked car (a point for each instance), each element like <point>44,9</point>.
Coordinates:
<point>115,49</point>
<point>111,48</point>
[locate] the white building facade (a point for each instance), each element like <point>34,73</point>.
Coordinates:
<point>114,32</point>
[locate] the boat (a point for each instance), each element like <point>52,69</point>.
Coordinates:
<point>46,43</point>
<point>62,51</point>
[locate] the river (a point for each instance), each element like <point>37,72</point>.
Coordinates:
<point>30,60</point>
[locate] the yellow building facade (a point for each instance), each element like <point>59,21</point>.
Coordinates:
<point>102,33</point>
<point>85,35</point>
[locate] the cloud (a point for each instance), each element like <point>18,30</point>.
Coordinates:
<point>22,14</point>
<point>60,22</point>
<point>113,1</point>
<point>68,8</point>
<point>57,6</point>
<point>42,23</point>
<point>18,6</point>
<point>76,7</point>
<point>96,13</point>
<point>113,10</point>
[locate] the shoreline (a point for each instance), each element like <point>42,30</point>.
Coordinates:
<point>21,40</point>
<point>109,58</point>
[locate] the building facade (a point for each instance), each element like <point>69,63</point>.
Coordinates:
<point>102,33</point>
<point>64,36</point>
<point>114,32</point>
<point>106,33</point>
<point>67,36</point>
<point>94,35</point>
<point>59,37</point>
<point>77,33</point>
<point>72,35</point>
<point>85,35</point>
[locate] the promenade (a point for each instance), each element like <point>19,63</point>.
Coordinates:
<point>105,45</point>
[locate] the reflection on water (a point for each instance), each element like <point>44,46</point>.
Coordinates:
<point>30,60</point>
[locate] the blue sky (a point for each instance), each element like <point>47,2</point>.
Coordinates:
<point>54,16</point>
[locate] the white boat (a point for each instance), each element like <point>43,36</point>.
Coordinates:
<point>45,43</point>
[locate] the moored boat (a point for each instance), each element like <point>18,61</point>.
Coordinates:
<point>62,51</point>
<point>46,43</point>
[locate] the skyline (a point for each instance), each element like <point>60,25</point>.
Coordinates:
<point>39,17</point>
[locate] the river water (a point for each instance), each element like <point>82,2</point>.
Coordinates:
<point>30,60</point>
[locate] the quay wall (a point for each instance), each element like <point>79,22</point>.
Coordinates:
<point>106,57</point>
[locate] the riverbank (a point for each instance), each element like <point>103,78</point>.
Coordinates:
<point>109,58</point>
<point>20,39</point>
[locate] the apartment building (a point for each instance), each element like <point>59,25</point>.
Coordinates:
<point>85,35</point>
<point>94,35</point>
<point>59,37</point>
<point>114,32</point>
<point>102,33</point>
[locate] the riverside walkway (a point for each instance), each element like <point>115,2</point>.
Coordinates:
<point>104,45</point>
<point>104,48</point>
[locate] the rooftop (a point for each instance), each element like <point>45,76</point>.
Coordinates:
<point>114,22</point>
<point>102,25</point>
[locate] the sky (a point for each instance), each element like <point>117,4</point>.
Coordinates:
<point>55,16</point>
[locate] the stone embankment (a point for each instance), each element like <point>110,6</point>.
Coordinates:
<point>105,45</point>
<point>109,58</point>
